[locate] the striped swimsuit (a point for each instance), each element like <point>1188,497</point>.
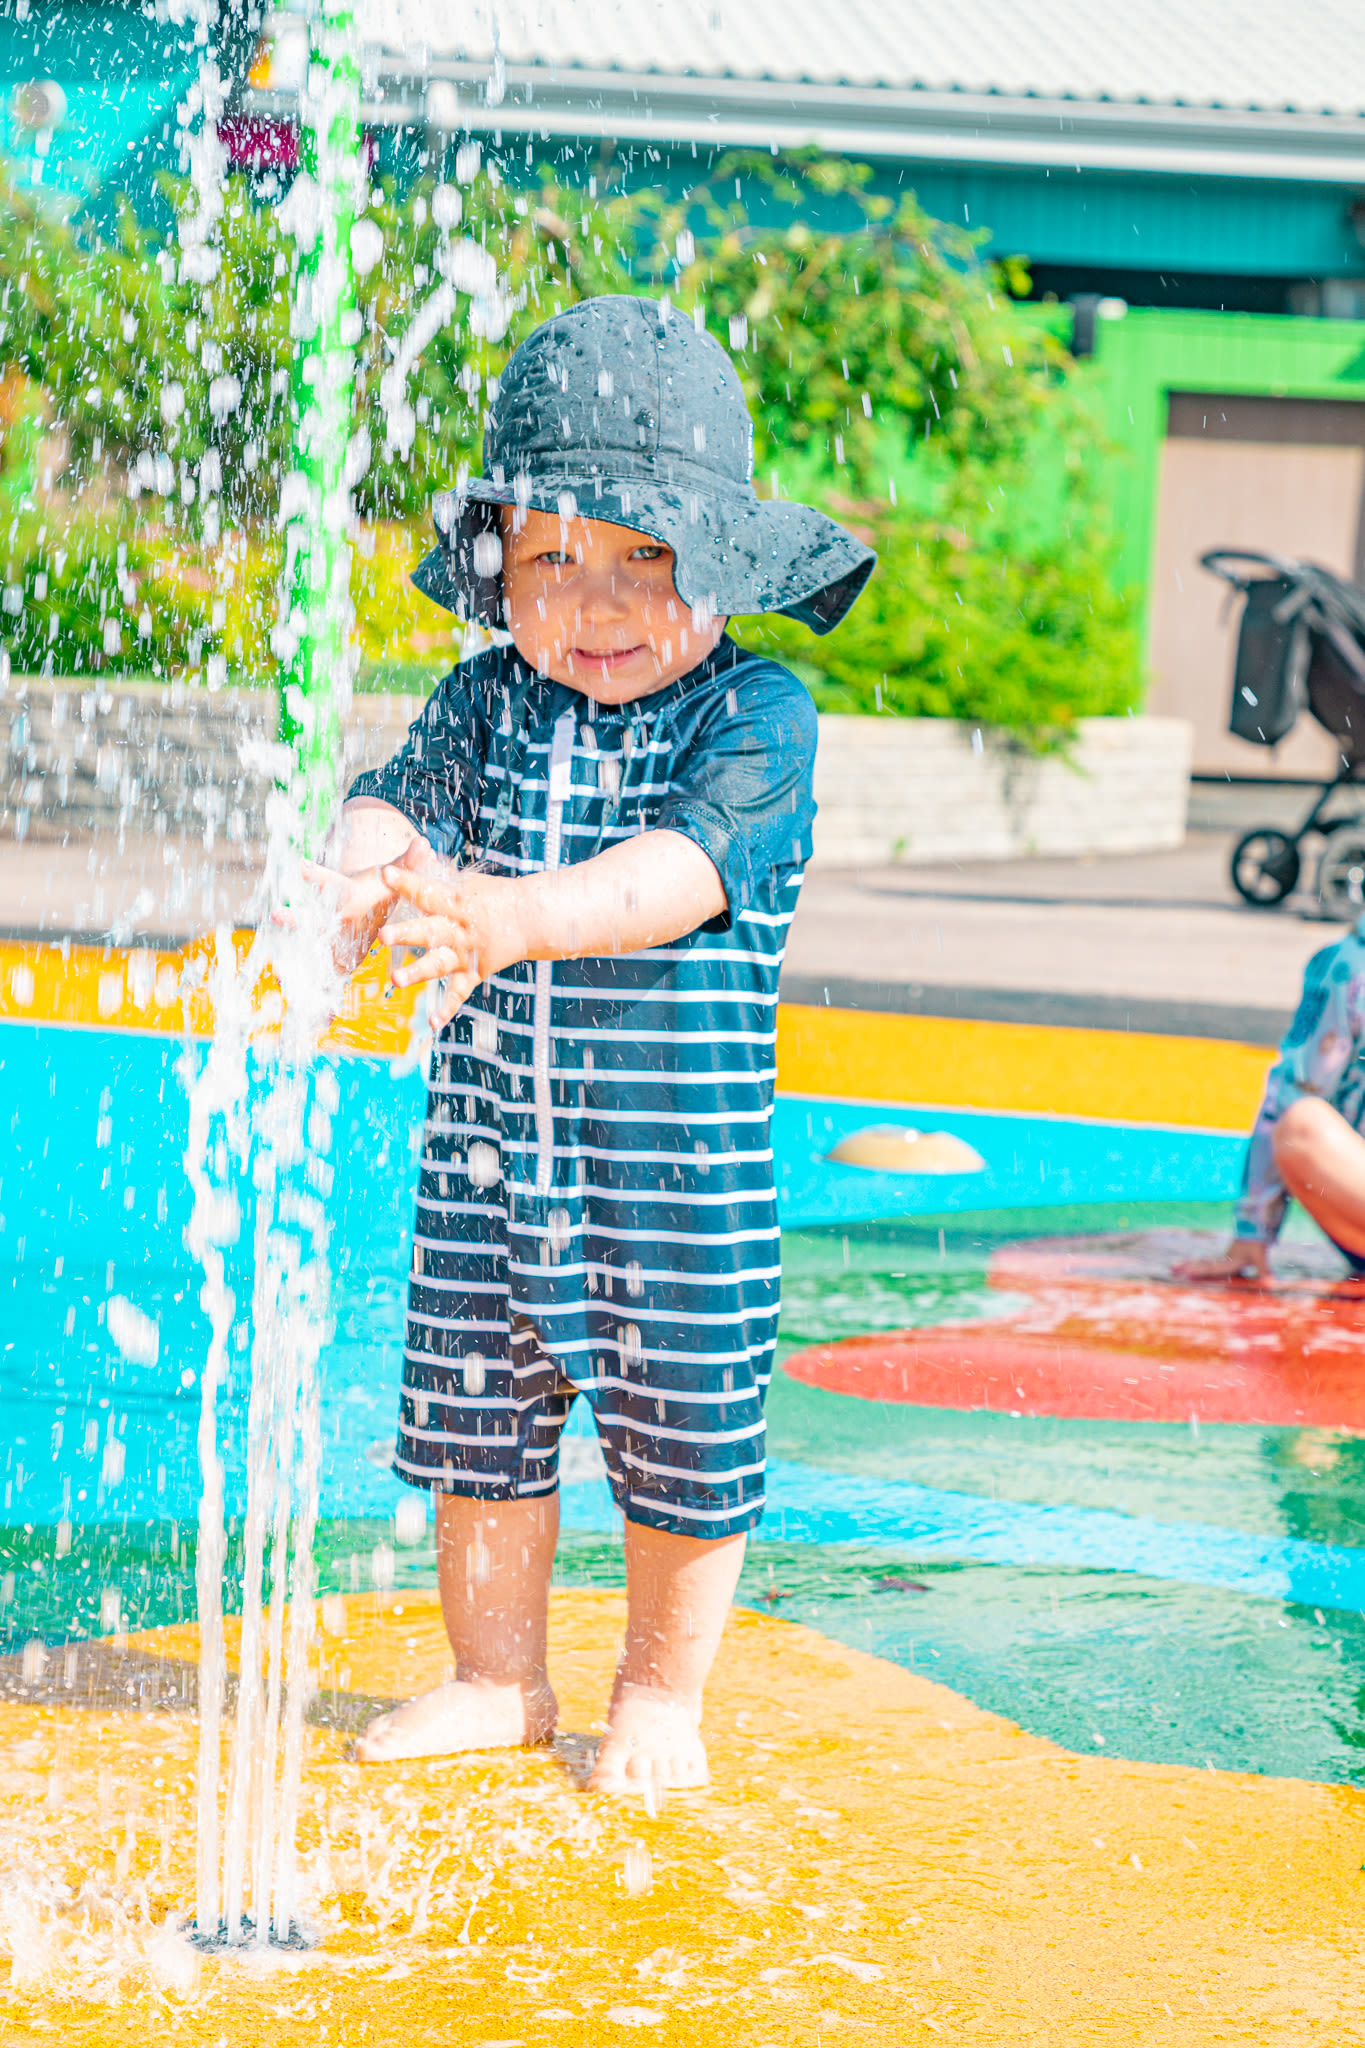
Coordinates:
<point>596,1212</point>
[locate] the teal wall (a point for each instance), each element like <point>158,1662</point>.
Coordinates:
<point>1236,227</point>
<point>123,74</point>
<point>1228,226</point>
<point>1241,227</point>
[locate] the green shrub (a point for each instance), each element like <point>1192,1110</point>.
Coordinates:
<point>994,600</point>
<point>882,358</point>
<point>1023,643</point>
<point>103,596</point>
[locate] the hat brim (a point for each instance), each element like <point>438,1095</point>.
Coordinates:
<point>734,553</point>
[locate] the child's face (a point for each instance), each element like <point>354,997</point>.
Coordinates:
<point>593,605</point>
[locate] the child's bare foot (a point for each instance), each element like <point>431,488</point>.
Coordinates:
<point>653,1742</point>
<point>462,1715</point>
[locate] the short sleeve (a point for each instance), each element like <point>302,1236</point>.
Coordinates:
<point>434,777</point>
<point>741,780</point>
<point>1318,1056</point>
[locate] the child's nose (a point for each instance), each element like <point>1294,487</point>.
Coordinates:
<point>604,594</point>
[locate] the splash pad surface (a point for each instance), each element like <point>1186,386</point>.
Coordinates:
<point>1122,1583</point>
<point>1101,1329</point>
<point>876,1856</point>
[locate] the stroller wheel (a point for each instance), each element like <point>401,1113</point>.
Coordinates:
<point>1341,874</point>
<point>1265,867</point>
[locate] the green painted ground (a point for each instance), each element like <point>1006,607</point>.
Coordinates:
<point>1143,1668</point>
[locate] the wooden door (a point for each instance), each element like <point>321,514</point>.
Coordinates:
<point>1285,475</point>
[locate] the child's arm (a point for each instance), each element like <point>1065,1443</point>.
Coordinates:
<point>644,892</point>
<point>1320,1045</point>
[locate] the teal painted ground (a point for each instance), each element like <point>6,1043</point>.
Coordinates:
<point>1160,1593</point>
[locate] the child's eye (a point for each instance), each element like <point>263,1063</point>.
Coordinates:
<point>651,552</point>
<point>555,558</point>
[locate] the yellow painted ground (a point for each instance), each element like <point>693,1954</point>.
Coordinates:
<point>1134,1076</point>
<point>878,1861</point>
<point>1137,1077</point>
<point>141,988</point>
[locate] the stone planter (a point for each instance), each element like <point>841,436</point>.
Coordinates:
<point>928,789</point>
<point>82,756</point>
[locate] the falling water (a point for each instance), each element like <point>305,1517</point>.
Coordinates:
<point>260,1120</point>
<point>261,1103</point>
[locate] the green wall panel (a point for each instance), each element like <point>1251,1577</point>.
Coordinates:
<point>1147,355</point>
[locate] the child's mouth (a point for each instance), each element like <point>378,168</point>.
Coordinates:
<point>607,658</point>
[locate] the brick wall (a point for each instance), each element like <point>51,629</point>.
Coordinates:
<point>84,757</point>
<point>920,789</point>
<point>80,757</point>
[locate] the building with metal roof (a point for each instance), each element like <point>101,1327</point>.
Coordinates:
<point>1196,166</point>
<point>1208,154</point>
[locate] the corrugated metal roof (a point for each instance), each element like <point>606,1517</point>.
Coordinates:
<point>1277,55</point>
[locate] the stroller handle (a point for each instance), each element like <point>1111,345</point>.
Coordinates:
<point>1219,560</point>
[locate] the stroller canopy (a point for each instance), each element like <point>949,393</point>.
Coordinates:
<point>1301,644</point>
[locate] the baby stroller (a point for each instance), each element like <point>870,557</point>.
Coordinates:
<point>1301,642</point>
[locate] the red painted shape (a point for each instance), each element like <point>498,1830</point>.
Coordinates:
<point>254,142</point>
<point>1107,1334</point>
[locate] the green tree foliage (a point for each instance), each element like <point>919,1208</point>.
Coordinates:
<point>887,332</point>
<point>1024,640</point>
<point>883,360</point>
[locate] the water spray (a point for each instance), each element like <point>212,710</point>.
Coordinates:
<point>261,1105</point>
<point>313,639</point>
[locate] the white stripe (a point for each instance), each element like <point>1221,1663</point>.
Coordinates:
<point>688,1159</point>
<point>761,1113</point>
<point>450,1323</point>
<point>689,1472</point>
<point>634,1312</point>
<point>437,1283</point>
<point>675,1507</point>
<point>501,1403</point>
<point>671,1197</point>
<point>496,1248</point>
<point>674,1276</point>
<point>435,1475</point>
<point>638,1427</point>
<point>722,955</point>
<point>686,1397</point>
<point>755,1237</point>
<point>605,1034</point>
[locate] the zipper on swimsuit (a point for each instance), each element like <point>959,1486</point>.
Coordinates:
<point>561,782</point>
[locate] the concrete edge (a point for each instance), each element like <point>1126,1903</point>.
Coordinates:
<point>1235,1024</point>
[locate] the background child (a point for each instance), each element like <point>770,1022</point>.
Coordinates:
<point>596,1212</point>
<point>1306,1140</point>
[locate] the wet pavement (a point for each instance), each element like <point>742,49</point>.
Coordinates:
<point>1141,942</point>
<point>1127,942</point>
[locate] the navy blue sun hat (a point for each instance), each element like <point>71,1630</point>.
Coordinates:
<point>620,409</point>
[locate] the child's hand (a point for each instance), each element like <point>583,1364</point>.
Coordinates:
<point>466,924</point>
<point>1244,1259</point>
<point>362,902</point>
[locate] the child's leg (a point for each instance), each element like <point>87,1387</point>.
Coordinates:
<point>1322,1161</point>
<point>493,1561</point>
<point>678,1591</point>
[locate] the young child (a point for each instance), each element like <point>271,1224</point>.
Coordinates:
<point>596,1212</point>
<point>1307,1139</point>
